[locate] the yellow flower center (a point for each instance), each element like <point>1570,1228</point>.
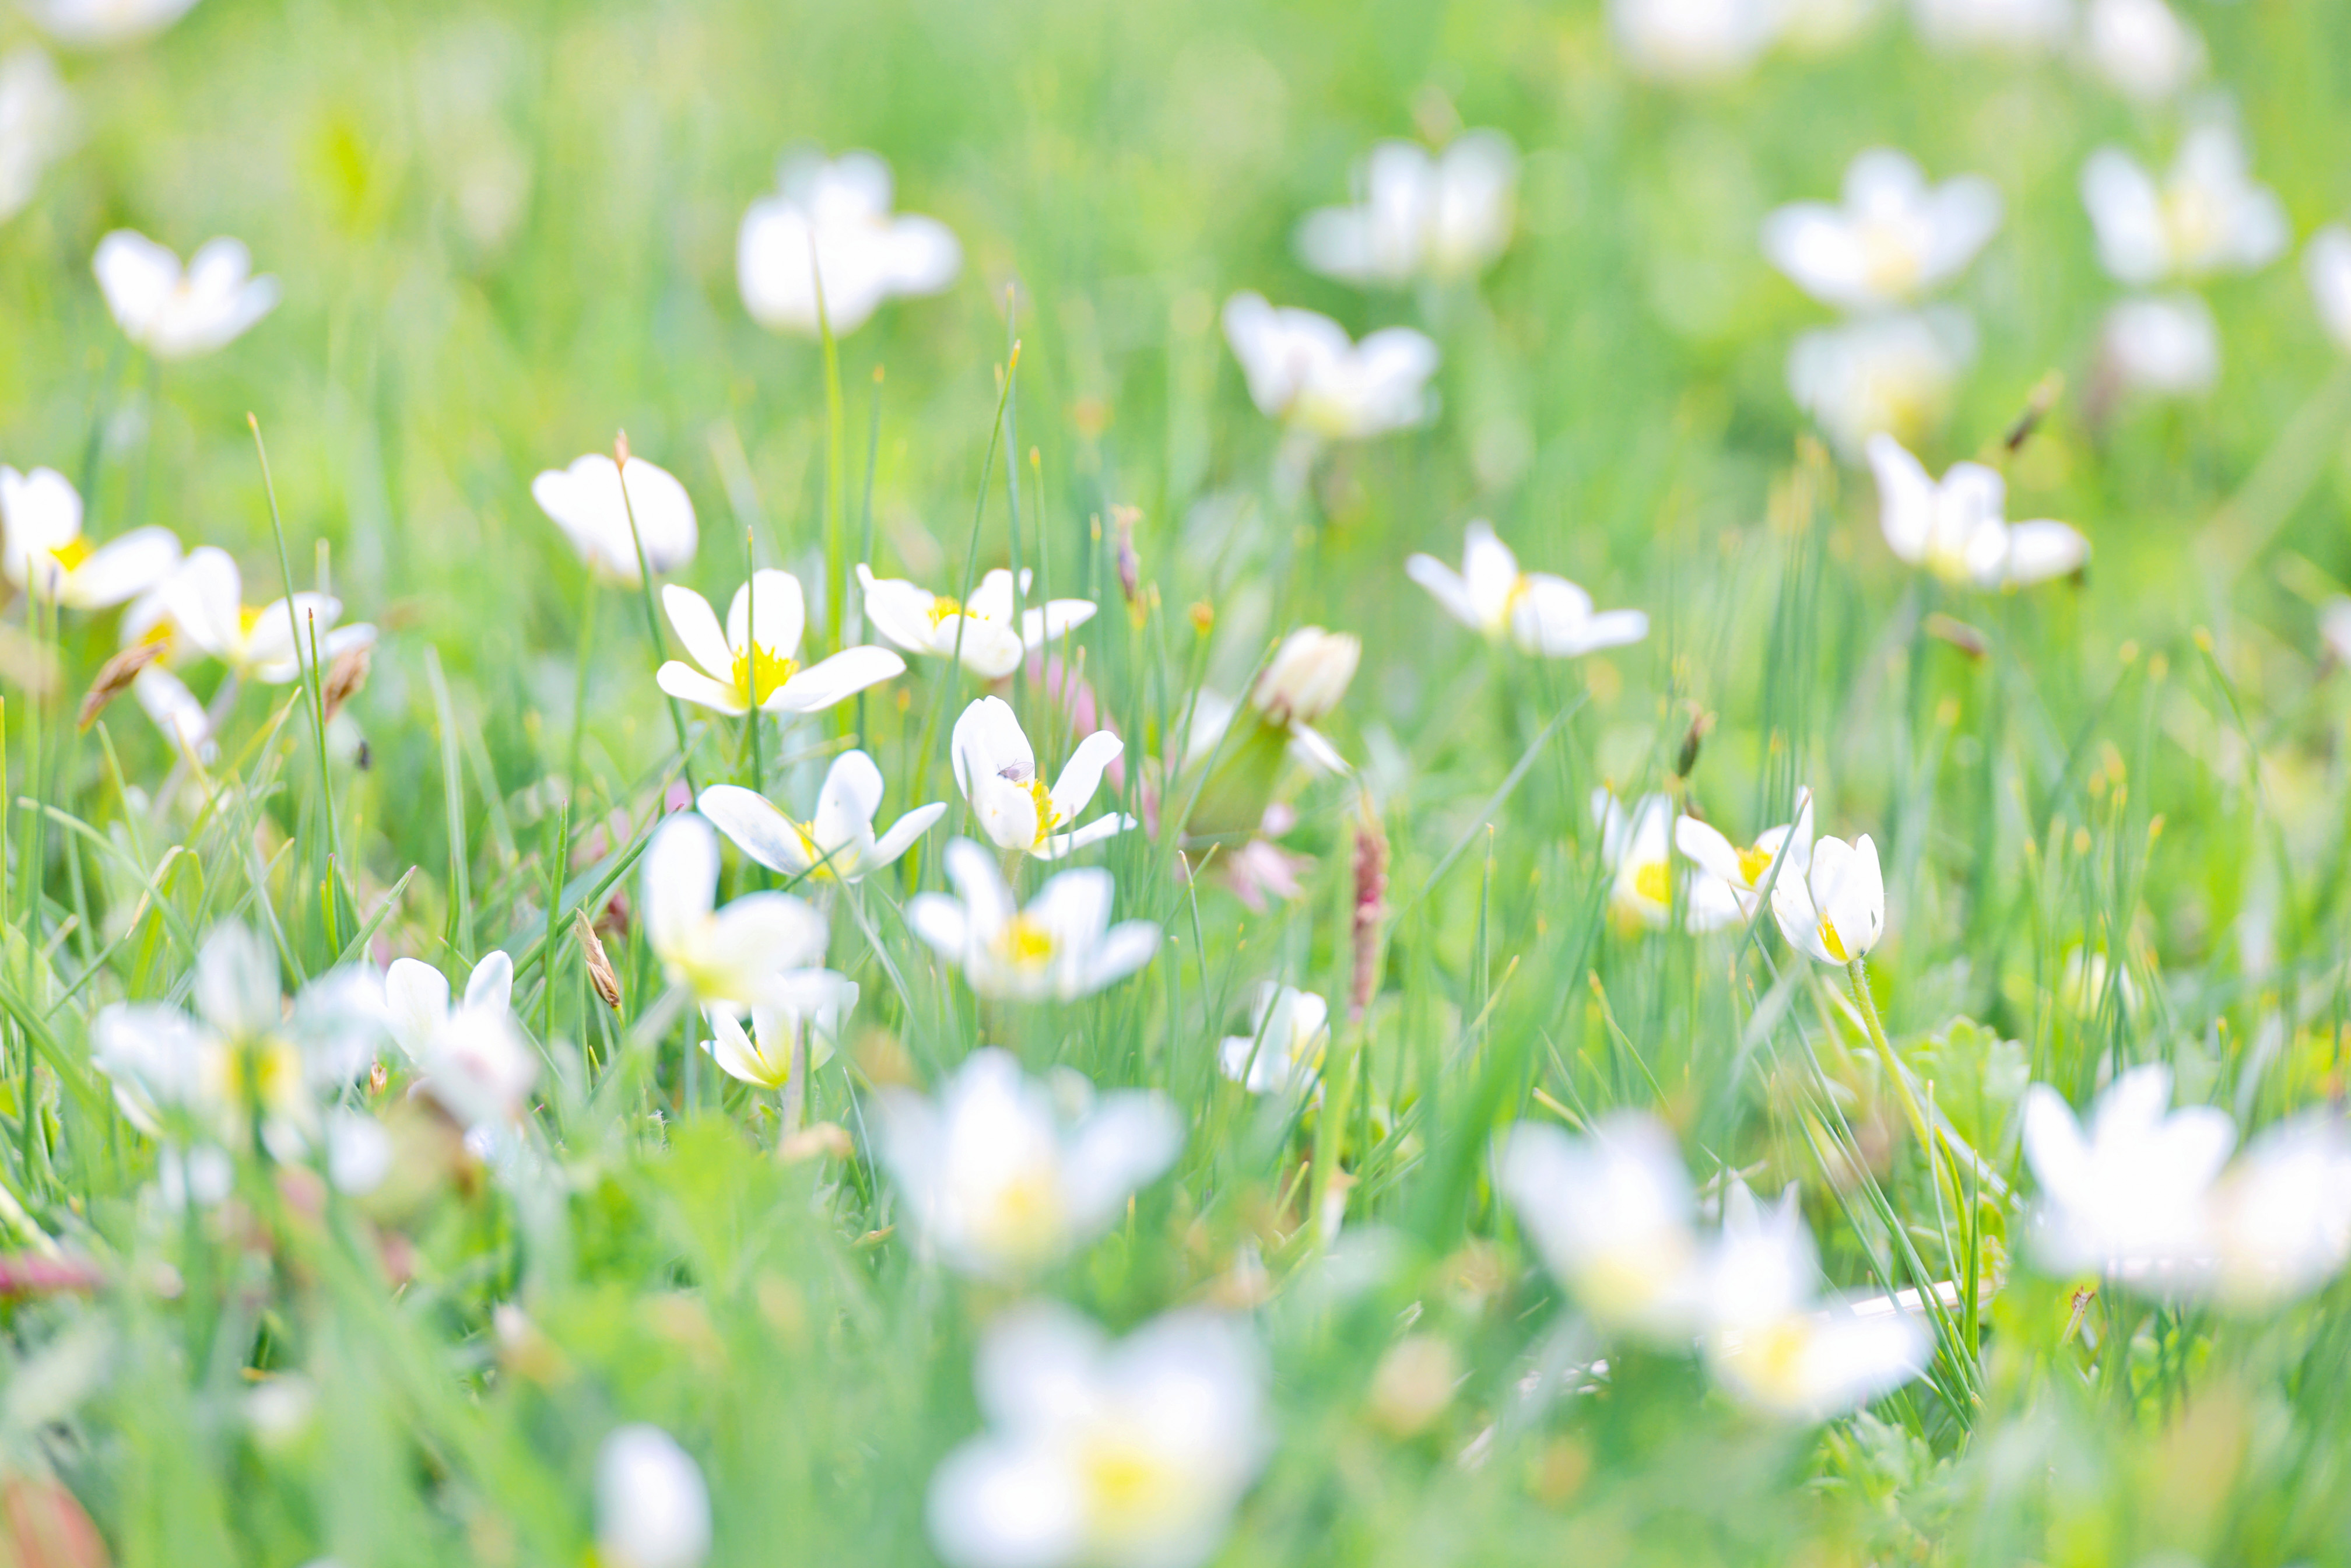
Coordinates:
<point>1125,1483</point>
<point>1025,942</point>
<point>248,616</point>
<point>1752,864</point>
<point>1652,881</point>
<point>942,607</point>
<point>265,1073</point>
<point>759,672</point>
<point>1888,260</point>
<point>1521,586</point>
<point>73,553</point>
<point>1771,1359</point>
<point>2193,222</point>
<point>1833,942</point>
<point>1047,818</point>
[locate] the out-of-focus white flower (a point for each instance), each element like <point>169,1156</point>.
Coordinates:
<point>1692,41</point>
<point>1894,237</point>
<point>1536,611</point>
<point>1302,370</point>
<point>1130,1455</point>
<point>2141,48</point>
<point>2131,1198</point>
<point>37,123</point>
<point>1612,1215</point>
<point>1818,27</point>
<point>359,1152</point>
<point>43,550</point>
<point>174,710</point>
<point>1880,374</point>
<point>2334,628</point>
<point>2020,25</point>
<point>996,768</point>
<point>2206,216</point>
<point>1774,1342</point>
<point>751,663</point>
<point>1636,847</point>
<point>1003,1180</point>
<point>102,23</point>
<point>2282,1215</point>
<point>473,1059</point>
<point>1062,945</point>
<point>831,221</point>
<point>273,644</point>
<point>806,1007</point>
<point>1283,1052</point>
<point>1441,217</point>
<point>653,1507</point>
<point>2163,343</point>
<point>2327,263</point>
<point>838,843</point>
<point>1957,528</point>
<point>1746,872</point>
<point>982,632</point>
<point>588,502</point>
<point>1837,910</point>
<point>730,959</point>
<point>175,314</point>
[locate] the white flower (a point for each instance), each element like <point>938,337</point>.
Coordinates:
<point>838,843</point>
<point>1837,910</point>
<point>2282,1214</point>
<point>1062,945</point>
<point>1536,611</point>
<point>43,550</point>
<point>804,1007</point>
<point>997,771</point>
<point>653,1507</point>
<point>1283,1052</point>
<point>1130,1455</point>
<point>2131,1200</point>
<point>1880,373</point>
<point>2334,628</point>
<point>1746,872</point>
<point>37,123</point>
<point>2206,217</point>
<point>473,1058</point>
<point>2326,262</point>
<point>1692,40</point>
<point>1002,1180</point>
<point>1302,370</point>
<point>1895,238</point>
<point>1611,1215</point>
<point>924,622</point>
<point>2162,344</point>
<point>1298,687</point>
<point>587,503</point>
<point>174,314</point>
<point>1441,217</point>
<point>730,959</point>
<point>1772,1340</point>
<point>2022,25</point>
<point>174,710</point>
<point>1636,849</point>
<point>205,600</point>
<point>1957,528</point>
<point>2142,47</point>
<point>750,663</point>
<point>832,221</point>
<point>97,24</point>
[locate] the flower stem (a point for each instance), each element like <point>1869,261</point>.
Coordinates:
<point>1858,972</point>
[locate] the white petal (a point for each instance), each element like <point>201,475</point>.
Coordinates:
<point>697,625</point>
<point>833,680</point>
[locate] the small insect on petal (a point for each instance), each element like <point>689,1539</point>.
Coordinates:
<point>114,678</point>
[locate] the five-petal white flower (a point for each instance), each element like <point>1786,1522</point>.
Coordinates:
<point>806,1007</point>
<point>2163,343</point>
<point>830,222</point>
<point>473,1059</point>
<point>1880,373</point>
<point>730,959</point>
<point>2130,1199</point>
<point>750,663</point>
<point>593,505</point>
<point>2282,1214</point>
<point>1539,612</point>
<point>1443,215</point>
<point>1747,872</point>
<point>1612,1215</point>
<point>44,551</point>
<point>2141,48</point>
<point>1956,527</point>
<point>1894,237</point>
<point>1837,910</point>
<point>1636,849</point>
<point>1283,1052</point>
<point>2206,216</point>
<point>175,314</point>
<point>205,600</point>
<point>982,633</point>
<point>1062,945</point>
<point>1302,370</point>
<point>996,770</point>
<point>838,843</point>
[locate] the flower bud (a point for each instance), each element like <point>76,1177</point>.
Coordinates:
<point>1308,676</point>
<point>653,1509</point>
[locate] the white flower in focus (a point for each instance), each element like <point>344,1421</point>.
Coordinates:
<point>1062,945</point>
<point>831,221</point>
<point>730,959</point>
<point>1611,1213</point>
<point>838,843</point>
<point>1957,528</point>
<point>2282,1215</point>
<point>806,1007</point>
<point>1283,1052</point>
<point>2015,26</point>
<point>1539,612</point>
<point>2327,263</point>
<point>1837,910</point>
<point>2163,343</point>
<point>43,549</point>
<point>1890,374</point>
<point>1747,872</point>
<point>997,771</point>
<point>2130,1199</point>
<point>2206,216</point>
<point>1302,370</point>
<point>653,1507</point>
<point>1692,41</point>
<point>37,124</point>
<point>1441,217</point>
<point>1003,1179</point>
<point>175,314</point>
<point>1894,237</point>
<point>591,504</point>
<point>102,23</point>
<point>1636,849</point>
<point>205,602</point>
<point>981,632</point>
<point>750,663</point>
<point>2141,48</point>
<point>1774,1342</point>
<point>1130,1455</point>
<point>473,1059</point>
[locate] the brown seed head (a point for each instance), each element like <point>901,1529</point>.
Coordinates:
<point>114,678</point>
<point>600,966</point>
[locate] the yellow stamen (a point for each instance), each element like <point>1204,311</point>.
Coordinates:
<point>1833,942</point>
<point>1652,881</point>
<point>248,616</point>
<point>1025,942</point>
<point>760,673</point>
<point>1752,864</point>
<point>1888,259</point>
<point>1521,586</point>
<point>73,553</point>
<point>943,606</point>
<point>1047,818</point>
<point>1124,1481</point>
